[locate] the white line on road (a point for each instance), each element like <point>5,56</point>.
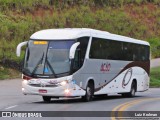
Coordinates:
<point>11,107</point>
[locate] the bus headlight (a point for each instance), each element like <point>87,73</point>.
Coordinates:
<point>63,83</point>
<point>25,81</point>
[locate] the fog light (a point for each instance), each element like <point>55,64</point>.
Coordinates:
<point>22,89</point>
<point>66,91</point>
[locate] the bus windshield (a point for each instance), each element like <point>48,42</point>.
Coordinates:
<point>47,57</point>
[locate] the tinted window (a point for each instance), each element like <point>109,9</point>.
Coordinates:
<point>105,49</point>
<point>83,46</point>
<point>80,52</point>
<point>96,48</point>
<point>135,52</point>
<point>117,50</point>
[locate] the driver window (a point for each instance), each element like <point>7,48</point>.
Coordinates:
<point>80,52</point>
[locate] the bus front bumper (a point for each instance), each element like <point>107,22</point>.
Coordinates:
<point>68,90</point>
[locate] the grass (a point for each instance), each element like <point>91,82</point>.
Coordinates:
<point>3,73</point>
<point>8,73</point>
<point>155,77</point>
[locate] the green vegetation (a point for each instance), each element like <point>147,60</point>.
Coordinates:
<point>7,73</point>
<point>21,18</point>
<point>155,77</point>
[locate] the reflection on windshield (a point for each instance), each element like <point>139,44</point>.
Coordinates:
<point>38,64</point>
<point>48,58</point>
<point>58,56</point>
<point>34,56</point>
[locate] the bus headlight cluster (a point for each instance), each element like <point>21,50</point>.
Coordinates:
<point>63,83</point>
<point>25,81</point>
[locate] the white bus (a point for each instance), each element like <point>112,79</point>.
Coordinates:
<point>74,62</point>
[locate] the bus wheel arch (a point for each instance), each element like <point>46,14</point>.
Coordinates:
<point>89,91</point>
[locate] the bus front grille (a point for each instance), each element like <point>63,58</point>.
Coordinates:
<point>40,85</point>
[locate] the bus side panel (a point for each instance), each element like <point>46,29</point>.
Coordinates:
<point>122,83</point>
<point>109,75</point>
<point>97,69</point>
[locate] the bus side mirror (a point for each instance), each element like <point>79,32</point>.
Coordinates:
<point>20,45</point>
<point>73,50</point>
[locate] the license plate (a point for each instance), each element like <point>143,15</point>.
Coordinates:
<point>42,91</point>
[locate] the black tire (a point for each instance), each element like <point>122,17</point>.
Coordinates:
<point>89,93</point>
<point>132,91</point>
<point>46,98</point>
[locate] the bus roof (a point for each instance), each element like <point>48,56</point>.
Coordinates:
<point>73,33</point>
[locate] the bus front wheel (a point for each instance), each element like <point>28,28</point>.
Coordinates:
<point>89,92</point>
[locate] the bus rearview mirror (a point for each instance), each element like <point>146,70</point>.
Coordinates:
<point>20,45</point>
<point>73,50</point>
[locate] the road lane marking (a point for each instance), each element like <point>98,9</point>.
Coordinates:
<point>11,107</point>
<point>116,109</point>
<point>122,107</point>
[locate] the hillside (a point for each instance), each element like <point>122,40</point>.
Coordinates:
<point>20,18</point>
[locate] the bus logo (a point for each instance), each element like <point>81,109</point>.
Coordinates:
<point>127,77</point>
<point>105,67</point>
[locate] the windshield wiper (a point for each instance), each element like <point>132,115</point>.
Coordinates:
<point>40,61</point>
<point>51,67</point>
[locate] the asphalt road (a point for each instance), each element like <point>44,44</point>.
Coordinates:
<point>12,99</point>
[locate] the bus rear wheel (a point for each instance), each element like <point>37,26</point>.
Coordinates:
<point>89,92</point>
<point>46,98</point>
<point>132,91</point>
